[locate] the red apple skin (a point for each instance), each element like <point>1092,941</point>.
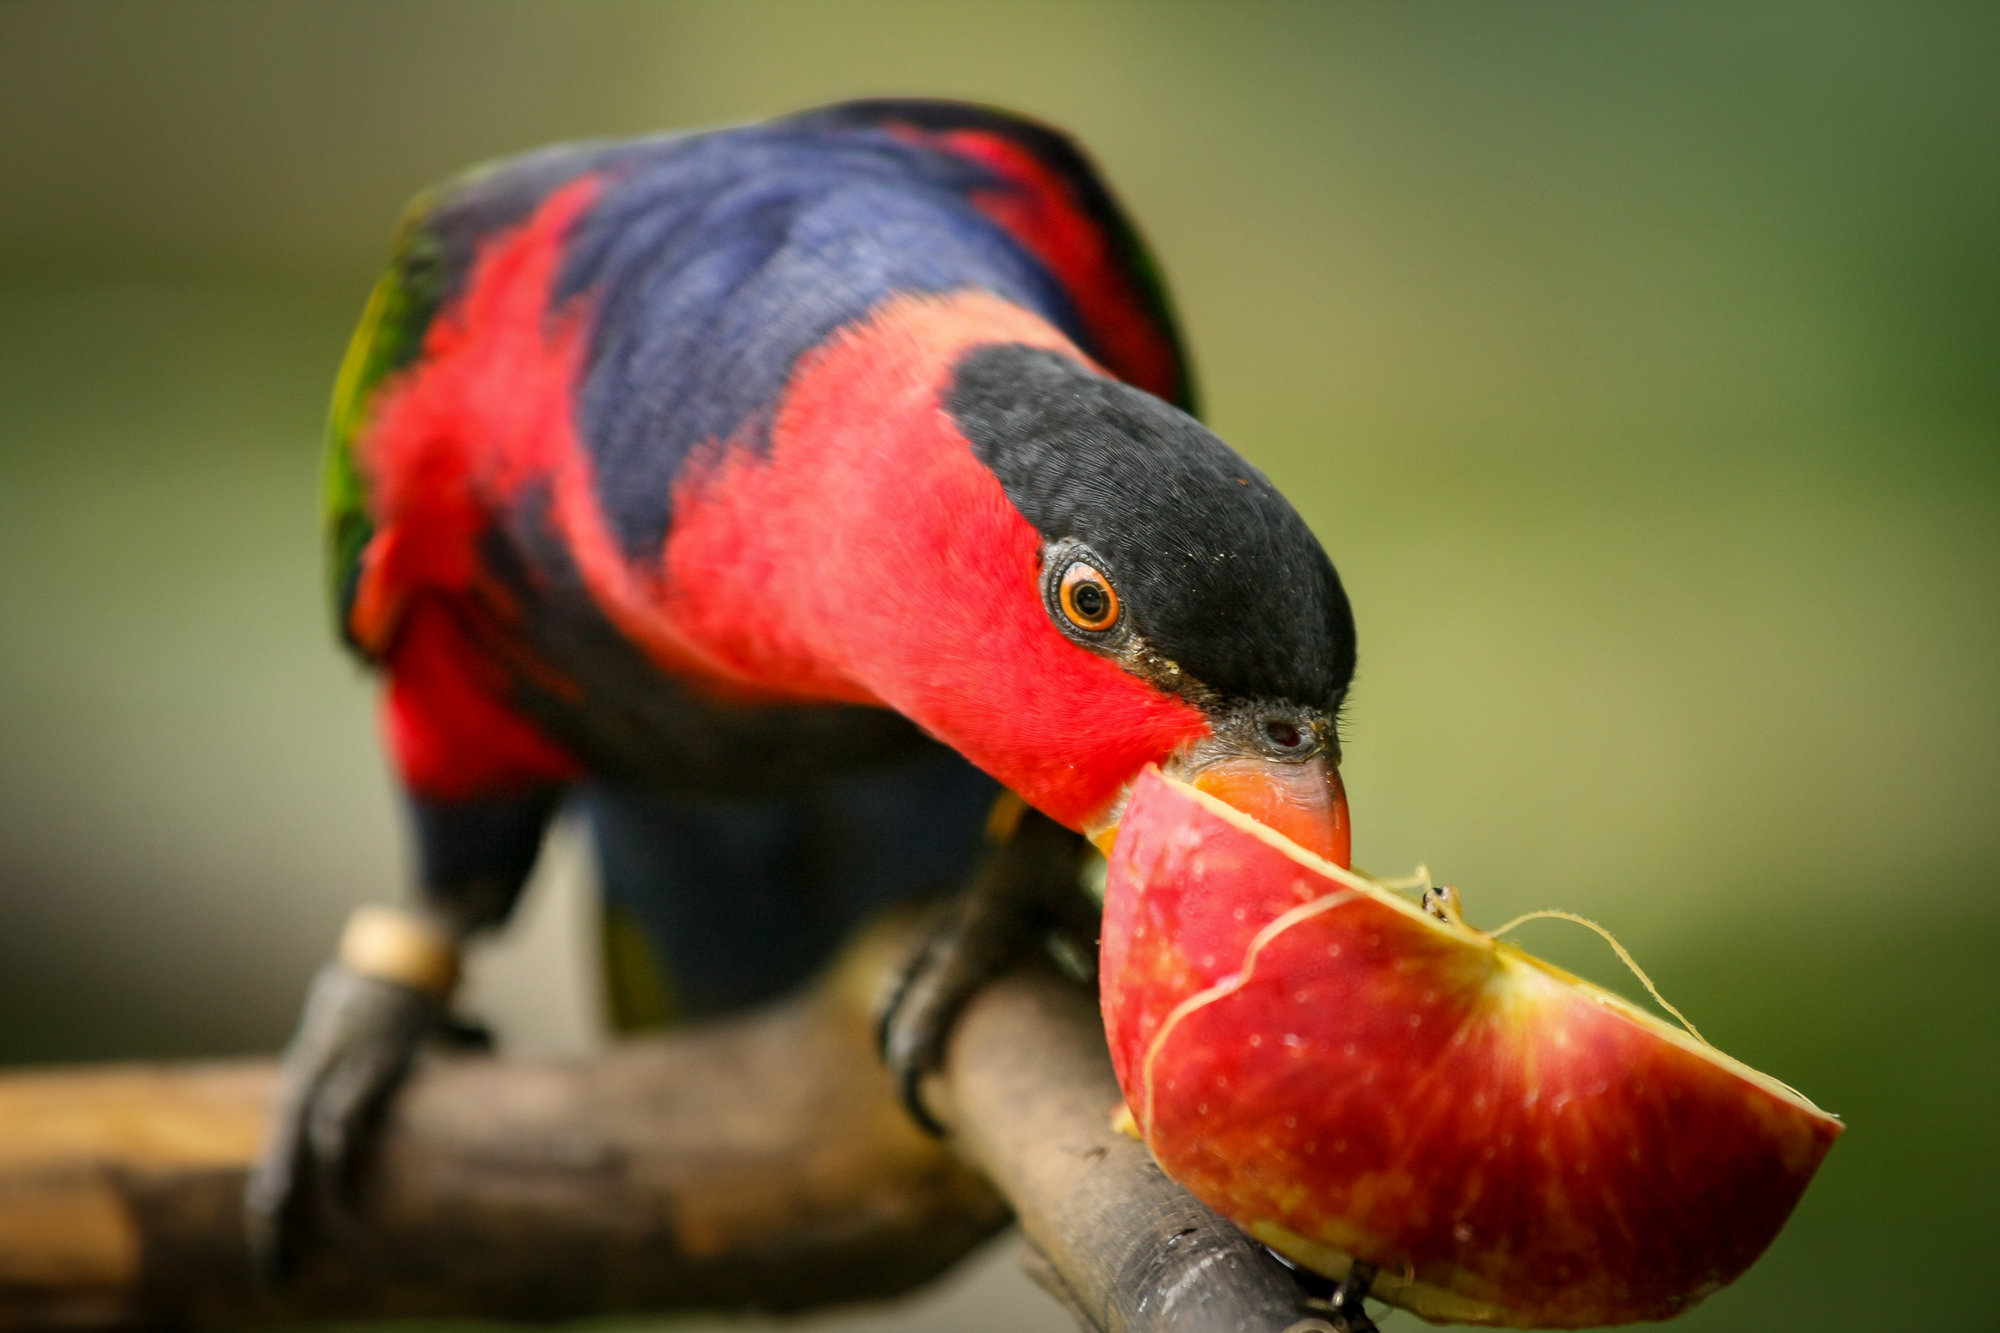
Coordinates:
<point>1508,1144</point>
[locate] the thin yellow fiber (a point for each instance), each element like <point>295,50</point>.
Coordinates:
<point>1623,957</point>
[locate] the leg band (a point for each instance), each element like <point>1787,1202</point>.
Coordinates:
<point>393,945</point>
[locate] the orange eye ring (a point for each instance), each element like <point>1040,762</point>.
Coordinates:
<point>1087,598</point>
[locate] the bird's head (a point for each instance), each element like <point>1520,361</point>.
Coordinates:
<point>1166,555</point>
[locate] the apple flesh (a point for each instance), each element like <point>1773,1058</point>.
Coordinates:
<point>1346,1076</point>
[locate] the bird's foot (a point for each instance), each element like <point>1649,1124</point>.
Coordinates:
<point>1025,890</point>
<point>354,1045</point>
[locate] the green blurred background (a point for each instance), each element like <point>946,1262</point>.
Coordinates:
<point>1639,365</point>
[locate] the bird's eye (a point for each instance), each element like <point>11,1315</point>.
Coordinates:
<point>1087,598</point>
<point>1283,734</point>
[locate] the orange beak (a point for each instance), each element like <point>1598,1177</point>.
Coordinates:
<point>1304,801</point>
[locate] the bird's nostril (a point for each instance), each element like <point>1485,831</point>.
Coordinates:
<point>1283,734</point>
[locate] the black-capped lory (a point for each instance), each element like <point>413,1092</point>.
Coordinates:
<point>818,504</point>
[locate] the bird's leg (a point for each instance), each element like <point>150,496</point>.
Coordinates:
<point>374,1003</point>
<point>1025,889</point>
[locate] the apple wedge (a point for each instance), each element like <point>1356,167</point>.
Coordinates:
<point>1347,1076</point>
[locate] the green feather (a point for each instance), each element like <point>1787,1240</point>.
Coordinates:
<point>388,339</point>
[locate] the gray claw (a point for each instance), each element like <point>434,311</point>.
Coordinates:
<point>353,1046</point>
<point>1019,893</point>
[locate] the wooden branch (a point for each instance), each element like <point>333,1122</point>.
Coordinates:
<point>1029,1094</point>
<point>761,1163</point>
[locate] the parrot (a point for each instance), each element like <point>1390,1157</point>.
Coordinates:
<point>819,506</point>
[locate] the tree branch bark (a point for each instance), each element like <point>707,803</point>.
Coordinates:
<point>761,1163</point>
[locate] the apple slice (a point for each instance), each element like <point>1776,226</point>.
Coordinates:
<point>1347,1077</point>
